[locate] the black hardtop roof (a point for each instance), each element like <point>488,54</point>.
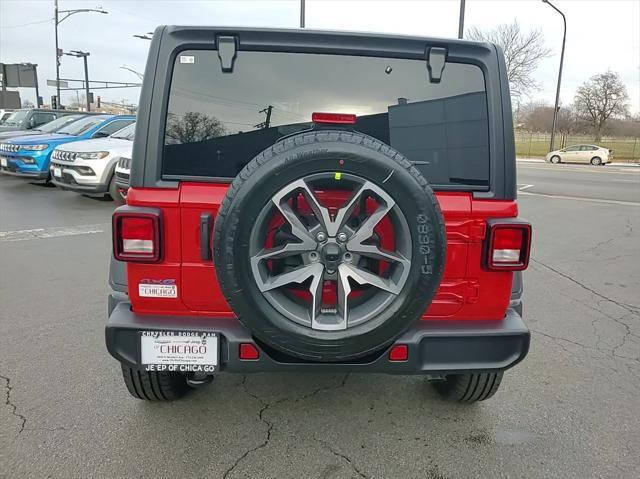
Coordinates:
<point>298,33</point>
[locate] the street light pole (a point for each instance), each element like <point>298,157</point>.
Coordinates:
<point>461,20</point>
<point>556,106</point>
<point>86,81</point>
<point>35,74</point>
<point>138,74</point>
<point>302,13</point>
<point>146,36</point>
<point>58,21</point>
<point>83,55</point>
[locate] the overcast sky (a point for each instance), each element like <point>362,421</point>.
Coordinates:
<point>601,34</point>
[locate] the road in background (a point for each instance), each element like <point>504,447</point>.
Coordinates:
<point>569,410</point>
<point>616,183</point>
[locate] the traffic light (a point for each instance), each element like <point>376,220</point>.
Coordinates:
<point>98,102</point>
<point>54,102</point>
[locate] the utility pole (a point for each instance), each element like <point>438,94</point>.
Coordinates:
<point>302,13</point>
<point>266,123</point>
<point>461,20</point>
<point>556,106</point>
<point>57,21</point>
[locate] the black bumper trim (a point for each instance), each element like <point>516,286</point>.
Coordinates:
<point>78,188</point>
<point>41,175</point>
<point>435,347</point>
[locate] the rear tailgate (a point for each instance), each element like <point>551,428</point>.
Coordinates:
<point>467,290</point>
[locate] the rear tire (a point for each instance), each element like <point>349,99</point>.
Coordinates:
<point>555,159</point>
<point>114,192</point>
<point>154,385</point>
<point>596,161</point>
<point>469,388</point>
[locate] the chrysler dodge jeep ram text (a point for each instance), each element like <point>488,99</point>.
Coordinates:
<point>314,201</point>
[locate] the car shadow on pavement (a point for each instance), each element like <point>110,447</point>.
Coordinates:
<point>335,414</point>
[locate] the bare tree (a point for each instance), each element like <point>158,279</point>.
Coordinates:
<point>193,126</point>
<point>538,116</point>
<point>522,51</point>
<point>76,102</point>
<point>601,97</point>
<point>27,104</point>
<point>569,122</point>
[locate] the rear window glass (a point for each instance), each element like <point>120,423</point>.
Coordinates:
<point>127,133</point>
<point>217,122</point>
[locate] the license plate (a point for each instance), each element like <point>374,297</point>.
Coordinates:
<point>180,351</point>
<point>57,172</point>
<point>3,162</point>
<point>157,290</point>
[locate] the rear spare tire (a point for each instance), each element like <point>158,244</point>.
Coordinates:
<point>329,245</point>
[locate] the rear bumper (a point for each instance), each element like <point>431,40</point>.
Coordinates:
<point>435,347</point>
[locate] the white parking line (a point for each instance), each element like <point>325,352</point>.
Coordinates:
<point>588,200</point>
<point>53,232</point>
<point>524,187</point>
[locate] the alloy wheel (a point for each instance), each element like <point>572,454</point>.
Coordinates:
<point>330,251</point>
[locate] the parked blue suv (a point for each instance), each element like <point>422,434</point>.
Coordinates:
<point>29,156</point>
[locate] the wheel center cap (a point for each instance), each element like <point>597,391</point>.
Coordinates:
<point>331,253</point>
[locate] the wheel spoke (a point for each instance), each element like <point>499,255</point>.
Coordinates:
<point>316,298</point>
<point>365,231</point>
<point>364,277</point>
<point>344,213</point>
<point>373,251</point>
<point>344,289</point>
<point>298,229</point>
<point>283,251</point>
<point>321,212</point>
<point>298,276</point>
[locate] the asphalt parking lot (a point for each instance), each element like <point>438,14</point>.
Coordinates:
<point>571,409</point>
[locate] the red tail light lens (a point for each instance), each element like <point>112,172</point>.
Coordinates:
<point>399,352</point>
<point>249,352</point>
<point>336,118</point>
<point>509,246</point>
<point>136,235</point>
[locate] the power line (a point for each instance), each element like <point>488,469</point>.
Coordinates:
<point>30,23</point>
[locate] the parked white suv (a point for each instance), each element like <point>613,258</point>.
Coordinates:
<point>88,166</point>
<point>593,154</point>
<point>123,171</point>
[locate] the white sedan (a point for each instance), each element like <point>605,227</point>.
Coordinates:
<point>596,155</point>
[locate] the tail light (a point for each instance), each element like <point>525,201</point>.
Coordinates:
<point>136,235</point>
<point>335,118</point>
<point>399,353</point>
<point>249,352</point>
<point>509,245</point>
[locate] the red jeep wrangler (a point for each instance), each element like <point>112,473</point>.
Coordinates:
<point>314,201</point>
